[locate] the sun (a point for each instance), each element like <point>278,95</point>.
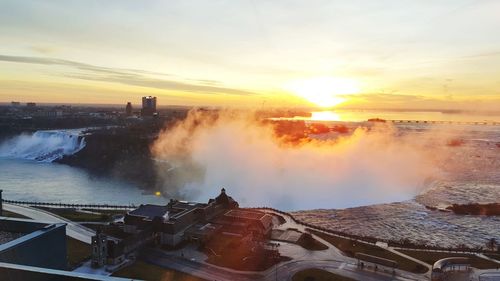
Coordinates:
<point>324,91</point>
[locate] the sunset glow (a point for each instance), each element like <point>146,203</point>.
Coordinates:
<point>254,54</point>
<point>325,116</point>
<point>324,91</point>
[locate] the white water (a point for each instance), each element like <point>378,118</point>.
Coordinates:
<point>43,146</point>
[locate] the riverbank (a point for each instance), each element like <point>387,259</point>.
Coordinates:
<point>492,209</point>
<point>121,153</point>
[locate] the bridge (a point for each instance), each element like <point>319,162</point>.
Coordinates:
<point>489,123</point>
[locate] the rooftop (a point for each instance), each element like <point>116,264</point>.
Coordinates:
<point>246,214</point>
<point>151,211</point>
<point>173,210</point>
<point>7,236</point>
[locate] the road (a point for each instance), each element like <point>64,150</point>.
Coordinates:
<point>73,230</point>
<point>285,271</point>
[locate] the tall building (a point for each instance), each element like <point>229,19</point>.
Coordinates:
<point>148,106</point>
<point>99,249</point>
<point>128,109</point>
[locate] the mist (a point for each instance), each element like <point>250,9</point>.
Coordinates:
<point>234,150</point>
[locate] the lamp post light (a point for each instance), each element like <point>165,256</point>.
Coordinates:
<point>276,257</point>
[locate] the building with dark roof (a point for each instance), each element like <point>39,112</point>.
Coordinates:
<point>252,222</point>
<point>170,222</point>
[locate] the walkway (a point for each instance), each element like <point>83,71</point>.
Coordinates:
<point>394,251</point>
<point>73,230</point>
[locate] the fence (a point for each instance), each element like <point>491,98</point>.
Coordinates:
<point>70,205</point>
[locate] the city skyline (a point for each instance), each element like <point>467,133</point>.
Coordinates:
<point>387,54</point>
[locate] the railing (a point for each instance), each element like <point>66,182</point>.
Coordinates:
<point>365,239</point>
<point>70,205</point>
<point>372,240</point>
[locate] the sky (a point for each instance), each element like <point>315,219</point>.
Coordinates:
<point>369,54</point>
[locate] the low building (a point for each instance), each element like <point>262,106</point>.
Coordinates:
<point>171,222</point>
<point>244,222</point>
<point>31,250</point>
<point>444,268</point>
<point>180,221</point>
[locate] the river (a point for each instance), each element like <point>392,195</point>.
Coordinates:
<point>30,180</point>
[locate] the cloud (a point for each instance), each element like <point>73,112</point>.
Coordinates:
<point>482,55</point>
<point>132,77</point>
<point>43,49</point>
<point>382,97</point>
<point>142,81</point>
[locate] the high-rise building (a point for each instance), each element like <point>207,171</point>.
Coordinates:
<point>148,106</point>
<point>128,109</point>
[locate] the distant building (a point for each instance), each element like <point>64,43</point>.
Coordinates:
<point>128,109</point>
<point>148,106</point>
<point>50,114</point>
<point>31,104</point>
<point>15,103</point>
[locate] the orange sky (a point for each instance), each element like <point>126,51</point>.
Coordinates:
<point>388,54</point>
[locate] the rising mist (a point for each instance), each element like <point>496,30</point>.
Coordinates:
<point>234,150</point>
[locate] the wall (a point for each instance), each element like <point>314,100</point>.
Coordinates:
<point>45,247</point>
<point>14,272</point>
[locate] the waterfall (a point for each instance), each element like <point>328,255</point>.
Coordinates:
<point>43,146</point>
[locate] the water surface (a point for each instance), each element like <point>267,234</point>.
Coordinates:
<point>29,180</point>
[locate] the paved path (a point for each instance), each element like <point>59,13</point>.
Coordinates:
<point>283,271</point>
<point>74,230</point>
<point>428,266</point>
<point>483,256</point>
